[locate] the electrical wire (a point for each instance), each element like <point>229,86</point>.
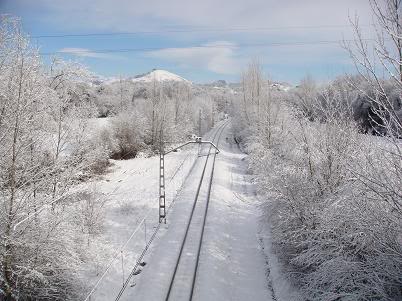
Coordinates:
<point>227,45</point>
<point>227,29</point>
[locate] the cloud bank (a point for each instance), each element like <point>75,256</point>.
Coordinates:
<point>218,57</point>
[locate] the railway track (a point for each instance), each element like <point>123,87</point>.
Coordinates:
<point>183,279</point>
<point>174,266</point>
<point>188,265</point>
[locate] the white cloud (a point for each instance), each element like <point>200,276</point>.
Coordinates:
<point>84,52</point>
<point>133,15</point>
<point>220,57</point>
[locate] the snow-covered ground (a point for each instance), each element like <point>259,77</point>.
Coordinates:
<point>235,259</point>
<point>130,189</point>
<point>232,265</point>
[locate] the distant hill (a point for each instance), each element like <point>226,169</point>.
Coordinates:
<point>281,86</point>
<point>159,76</point>
<point>156,74</point>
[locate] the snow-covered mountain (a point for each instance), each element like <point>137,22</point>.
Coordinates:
<point>156,74</point>
<point>281,86</point>
<point>160,76</point>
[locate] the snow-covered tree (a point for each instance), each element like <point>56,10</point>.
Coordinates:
<point>333,195</point>
<point>42,154</point>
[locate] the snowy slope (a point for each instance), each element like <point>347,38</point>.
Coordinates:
<point>160,76</point>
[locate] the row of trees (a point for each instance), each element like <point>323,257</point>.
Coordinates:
<point>140,112</point>
<point>147,111</point>
<point>333,189</point>
<point>44,151</point>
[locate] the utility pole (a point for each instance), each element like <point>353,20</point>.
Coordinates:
<point>121,94</point>
<point>162,196</point>
<point>199,124</point>
<point>199,131</point>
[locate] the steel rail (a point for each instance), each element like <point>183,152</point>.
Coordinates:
<point>205,218</point>
<point>219,131</point>
<point>123,246</point>
<point>144,251</point>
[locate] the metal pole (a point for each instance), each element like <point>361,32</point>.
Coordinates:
<point>122,266</point>
<point>162,196</point>
<point>145,232</point>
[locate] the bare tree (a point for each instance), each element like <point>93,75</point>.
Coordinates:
<point>387,57</point>
<point>39,152</point>
<point>386,111</point>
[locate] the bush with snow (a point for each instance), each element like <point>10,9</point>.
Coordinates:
<point>45,150</point>
<point>333,195</point>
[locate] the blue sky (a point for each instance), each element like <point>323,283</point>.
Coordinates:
<point>230,33</point>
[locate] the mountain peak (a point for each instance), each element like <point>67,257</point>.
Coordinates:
<point>160,76</point>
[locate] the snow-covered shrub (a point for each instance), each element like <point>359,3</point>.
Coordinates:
<point>333,211</point>
<point>42,125</point>
<point>96,151</point>
<point>45,261</point>
<point>333,195</point>
<point>128,136</point>
<point>324,222</point>
<point>304,98</point>
<point>90,213</point>
<point>319,103</point>
<point>125,207</point>
<point>353,253</point>
<point>379,112</point>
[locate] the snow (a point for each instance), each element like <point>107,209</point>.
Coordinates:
<point>232,264</point>
<point>112,80</point>
<point>166,252</point>
<point>131,191</point>
<point>236,262</point>
<point>160,76</point>
<point>282,288</point>
<point>232,261</point>
<point>97,124</point>
<point>282,86</point>
<point>156,74</point>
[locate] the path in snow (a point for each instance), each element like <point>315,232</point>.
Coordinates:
<point>232,264</point>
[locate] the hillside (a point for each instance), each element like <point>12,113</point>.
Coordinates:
<point>160,76</point>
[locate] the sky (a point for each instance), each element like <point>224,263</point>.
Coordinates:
<point>203,40</point>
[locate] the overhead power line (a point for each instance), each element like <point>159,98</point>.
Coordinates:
<point>234,46</point>
<point>233,29</point>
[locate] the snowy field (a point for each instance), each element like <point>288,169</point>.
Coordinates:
<point>130,191</point>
